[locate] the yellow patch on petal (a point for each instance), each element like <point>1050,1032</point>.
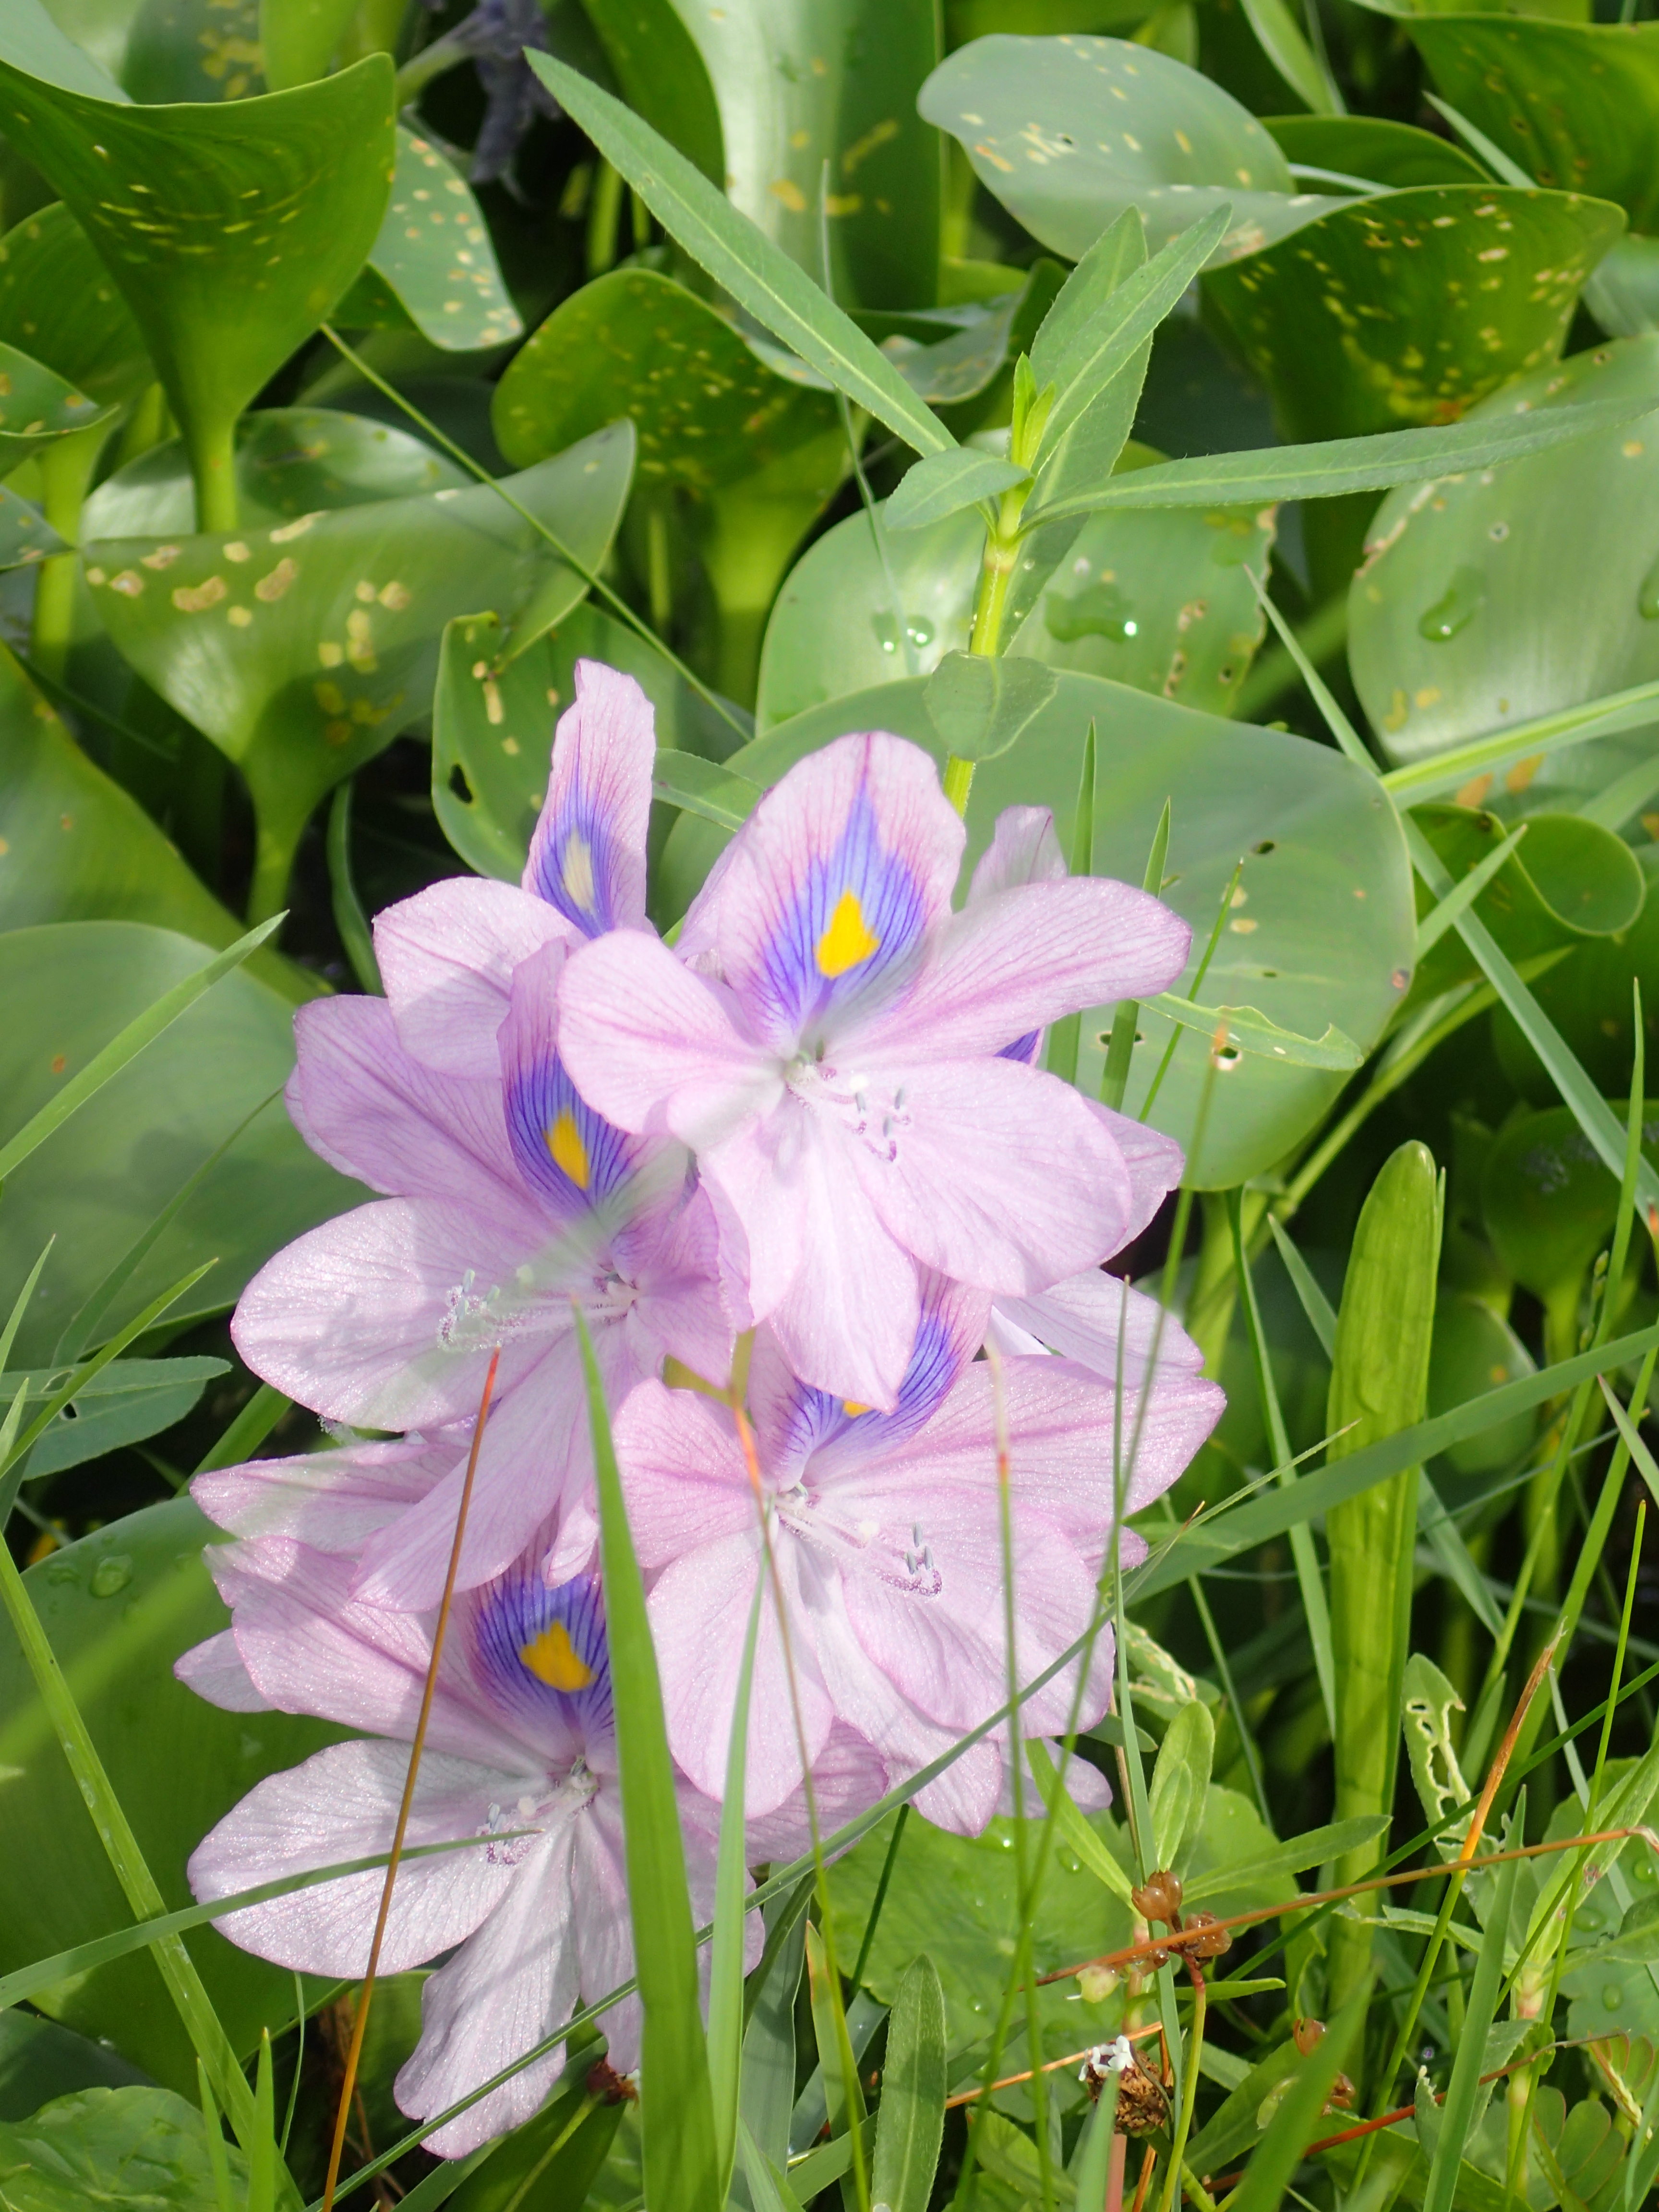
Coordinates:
<point>852,1409</point>
<point>564,1141</point>
<point>552,1658</point>
<point>849,939</point>
<point>577,871</point>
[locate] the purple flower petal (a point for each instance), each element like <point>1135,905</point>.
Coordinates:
<point>587,856</point>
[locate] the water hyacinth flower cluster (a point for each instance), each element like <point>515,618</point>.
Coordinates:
<point>802,1161</point>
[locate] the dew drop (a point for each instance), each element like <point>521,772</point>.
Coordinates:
<point>919,630</point>
<point>1614,1996</point>
<point>886,629</point>
<point>1647,595</point>
<point>1456,609</point>
<point>111,1575</point>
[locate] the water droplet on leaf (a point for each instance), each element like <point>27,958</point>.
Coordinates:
<point>111,1575</point>
<point>1456,609</point>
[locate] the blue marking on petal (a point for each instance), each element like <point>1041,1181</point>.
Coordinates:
<point>573,861</point>
<point>571,1155</point>
<point>815,1419</point>
<point>540,1655</point>
<point>797,984</point>
<point>1023,1049</point>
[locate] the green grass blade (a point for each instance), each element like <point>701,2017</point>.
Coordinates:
<point>1379,1381</point>
<point>213,2135</point>
<point>1457,2116</point>
<point>1570,726</point>
<point>1335,466</point>
<point>127,1044</point>
<point>1443,915</point>
<point>1302,1550</point>
<point>758,274</point>
<point>1067,1034</point>
<point>178,1969</point>
<point>682,2165</point>
<point>1265,2185</point>
<point>248,1430</point>
<point>80,1331</point>
<point>1322,1314</point>
<point>262,2150</point>
<point>768,2190</point>
<point>1296,1856</point>
<point>20,1306</point>
<point>911,2125</point>
<point>355,935</point>
<point>1070,1825</point>
<point>1120,1045</point>
<point>726,2006</point>
<point>1590,1110</point>
<point>1263,1517</point>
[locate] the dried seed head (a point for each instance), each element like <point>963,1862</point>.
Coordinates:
<point>1159,1898</point>
<point>1202,1938</point>
<point>1341,2096</point>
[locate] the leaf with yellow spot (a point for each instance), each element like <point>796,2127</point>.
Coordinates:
<point>433,267</point>
<point>253,686</point>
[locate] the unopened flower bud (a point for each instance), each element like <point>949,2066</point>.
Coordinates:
<point>1203,1938</point>
<point>1306,2033</point>
<point>1095,1984</point>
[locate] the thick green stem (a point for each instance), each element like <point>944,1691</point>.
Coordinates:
<point>984,638</point>
<point>66,468</point>
<point>212,449</point>
<point>1189,2092</point>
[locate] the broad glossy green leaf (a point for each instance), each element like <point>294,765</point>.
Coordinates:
<point>677,2112</point>
<point>759,275</point>
<point>1327,930</point>
<point>493,721</point>
<point>302,651</point>
<point>290,461</point>
<point>1567,880</point>
<point>1161,600</point>
<point>953,1898</point>
<point>1373,150</point>
<point>1475,1350</point>
<point>1495,599</point>
<point>981,707</point>
<point>706,410</point>
<point>37,407</point>
<point>124,1402</point>
<point>1571,103</point>
<point>232,230</point>
<point>1547,1201</point>
<point>1180,1779</point>
<point>1409,306</point>
<point>142,2148</point>
<point>99,1179</point>
<point>1491,437</point>
<point>434,263</point>
<point>1068,133</point>
<point>1379,1385</point>
<point>78,847</point>
<point>298,38</point>
<point>58,302</point>
<point>120,1607</point>
<point>797,83</point>
<point>1587,997</point>
<point>25,536</point>
<point>39,2061</point>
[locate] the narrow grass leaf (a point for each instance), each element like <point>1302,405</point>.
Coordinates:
<point>911,2125</point>
<point>1338,465</point>
<point>1547,733</point>
<point>1071,1826</point>
<point>1458,2114</point>
<point>682,2164</point>
<point>1322,1314</point>
<point>127,1044</point>
<point>768,2190</point>
<point>1302,1852</point>
<point>1120,1044</point>
<point>248,1430</point>
<point>1444,915</point>
<point>759,275</point>
<point>726,2006</point>
<point>1066,1035</point>
<point>698,787</point>
<point>21,1305</point>
<point>349,920</point>
<point>1309,1580</point>
<point>1265,2185</point>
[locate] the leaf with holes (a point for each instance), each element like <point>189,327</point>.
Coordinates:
<point>707,410</point>
<point>434,265</point>
<point>302,651</point>
<point>1321,931</point>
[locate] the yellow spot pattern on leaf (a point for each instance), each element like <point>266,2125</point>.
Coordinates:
<point>552,1658</point>
<point>849,939</point>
